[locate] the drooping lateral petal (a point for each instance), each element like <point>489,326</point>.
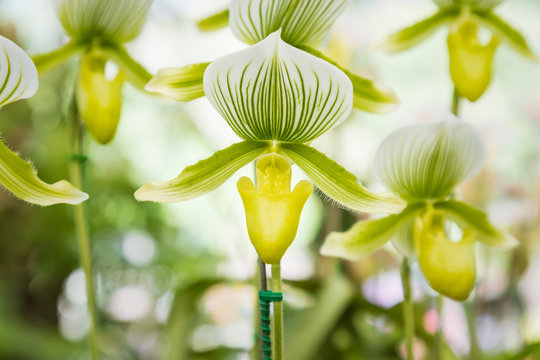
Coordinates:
<point>418,32</point>
<point>339,184</point>
<point>505,32</point>
<point>366,236</point>
<point>136,74</point>
<point>274,91</point>
<point>308,21</point>
<point>118,20</point>
<point>215,21</point>
<point>367,94</point>
<point>468,217</point>
<point>180,84</point>
<point>475,4</point>
<point>21,179</point>
<point>18,74</point>
<point>427,160</point>
<point>49,60</point>
<point>205,176</point>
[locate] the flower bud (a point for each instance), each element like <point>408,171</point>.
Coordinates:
<point>449,267</point>
<point>272,210</point>
<point>470,60</point>
<point>99,99</point>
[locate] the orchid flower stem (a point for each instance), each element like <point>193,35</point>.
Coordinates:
<point>439,301</point>
<point>278,314</point>
<point>76,173</point>
<point>408,310</point>
<point>455,102</point>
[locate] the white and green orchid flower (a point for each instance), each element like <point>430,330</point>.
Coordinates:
<point>19,80</point>
<point>423,163</point>
<point>303,24</point>
<point>98,29</point>
<point>276,98</point>
<point>470,58</point>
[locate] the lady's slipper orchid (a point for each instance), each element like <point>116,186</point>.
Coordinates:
<point>277,98</point>
<point>98,30</point>
<point>19,80</point>
<point>423,163</point>
<point>470,58</point>
<point>303,24</point>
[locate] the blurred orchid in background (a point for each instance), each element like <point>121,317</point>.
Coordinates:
<point>471,57</point>
<point>423,163</point>
<point>303,24</point>
<point>19,80</point>
<point>98,30</point>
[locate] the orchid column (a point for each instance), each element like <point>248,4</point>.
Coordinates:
<point>277,98</point>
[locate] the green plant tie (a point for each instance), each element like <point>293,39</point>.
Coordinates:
<point>265,298</point>
<point>78,158</point>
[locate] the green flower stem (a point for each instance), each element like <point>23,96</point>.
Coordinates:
<point>455,102</point>
<point>76,174</point>
<point>49,60</point>
<point>278,314</point>
<point>439,301</point>
<point>408,310</point>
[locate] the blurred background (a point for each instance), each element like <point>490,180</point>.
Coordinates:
<point>175,280</point>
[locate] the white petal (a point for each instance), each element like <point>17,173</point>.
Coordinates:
<point>274,91</point>
<point>118,20</point>
<point>426,161</point>
<point>303,22</point>
<point>18,74</point>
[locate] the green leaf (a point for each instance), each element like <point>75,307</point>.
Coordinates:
<point>506,32</point>
<point>18,76</point>
<point>215,21</point>
<point>21,179</point>
<point>367,94</point>
<point>274,91</point>
<point>366,236</point>
<point>339,184</point>
<point>205,176</point>
<point>118,20</point>
<point>51,59</point>
<point>180,84</point>
<point>414,34</point>
<point>303,22</point>
<point>468,217</point>
<point>309,329</point>
<point>136,74</point>
<point>427,160</point>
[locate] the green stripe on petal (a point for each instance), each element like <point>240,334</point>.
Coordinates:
<point>468,217</point>
<point>180,84</point>
<point>505,32</point>
<point>366,236</point>
<point>303,22</point>
<point>367,94</point>
<point>21,179</point>
<point>205,176</point>
<point>416,33</point>
<point>274,91</point>
<point>426,161</point>
<point>253,20</point>
<point>118,20</point>
<point>339,184</point>
<point>18,74</point>
<point>215,21</point>
<point>308,21</point>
